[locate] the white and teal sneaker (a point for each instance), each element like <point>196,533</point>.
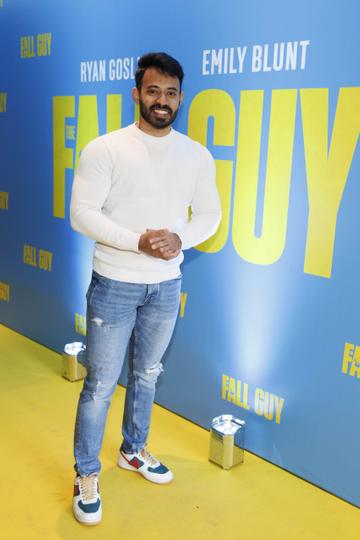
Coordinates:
<point>146,464</point>
<point>87,501</point>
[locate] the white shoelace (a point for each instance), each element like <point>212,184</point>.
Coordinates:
<point>88,487</point>
<point>149,458</point>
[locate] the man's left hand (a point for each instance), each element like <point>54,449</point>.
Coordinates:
<point>166,242</point>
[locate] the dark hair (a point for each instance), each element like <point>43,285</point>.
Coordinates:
<point>162,62</point>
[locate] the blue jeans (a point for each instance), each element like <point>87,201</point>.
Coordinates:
<point>121,314</point>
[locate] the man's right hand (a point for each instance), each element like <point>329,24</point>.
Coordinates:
<point>147,247</point>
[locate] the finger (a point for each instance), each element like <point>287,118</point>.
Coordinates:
<point>167,248</point>
<point>163,244</point>
<point>155,239</point>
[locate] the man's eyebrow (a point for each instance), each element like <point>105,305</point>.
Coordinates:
<point>168,88</point>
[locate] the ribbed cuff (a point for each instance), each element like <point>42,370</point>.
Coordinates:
<point>131,241</point>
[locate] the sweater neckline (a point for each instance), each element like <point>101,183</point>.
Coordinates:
<point>157,141</point>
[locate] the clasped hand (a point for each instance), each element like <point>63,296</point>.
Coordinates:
<point>160,243</point>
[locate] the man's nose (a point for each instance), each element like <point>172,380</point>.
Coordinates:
<point>162,99</point>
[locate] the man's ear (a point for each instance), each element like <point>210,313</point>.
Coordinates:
<point>181,97</point>
<point>135,95</point>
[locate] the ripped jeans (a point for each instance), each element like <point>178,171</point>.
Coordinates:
<point>121,314</point>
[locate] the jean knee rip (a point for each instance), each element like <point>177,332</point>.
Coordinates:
<point>148,376</point>
<point>101,391</point>
<point>95,393</point>
<point>154,370</point>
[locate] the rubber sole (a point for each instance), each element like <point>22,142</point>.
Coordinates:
<point>79,516</point>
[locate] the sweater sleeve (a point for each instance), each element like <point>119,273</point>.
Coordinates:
<point>91,187</point>
<point>205,206</point>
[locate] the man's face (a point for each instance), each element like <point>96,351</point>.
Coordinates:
<point>159,98</point>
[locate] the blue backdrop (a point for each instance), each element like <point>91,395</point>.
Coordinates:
<point>269,326</point>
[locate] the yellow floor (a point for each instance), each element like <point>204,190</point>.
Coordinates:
<point>251,501</point>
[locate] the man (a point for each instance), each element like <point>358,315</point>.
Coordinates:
<point>131,194</point>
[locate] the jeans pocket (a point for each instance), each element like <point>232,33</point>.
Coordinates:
<point>93,285</point>
<point>89,291</point>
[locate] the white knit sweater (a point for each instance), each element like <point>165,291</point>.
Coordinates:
<point>128,181</point>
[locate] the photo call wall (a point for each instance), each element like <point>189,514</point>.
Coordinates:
<point>269,326</point>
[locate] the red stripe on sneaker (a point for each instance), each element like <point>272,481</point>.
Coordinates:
<point>135,462</point>
<point>76,491</point>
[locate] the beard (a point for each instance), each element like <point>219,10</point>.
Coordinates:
<point>157,122</point>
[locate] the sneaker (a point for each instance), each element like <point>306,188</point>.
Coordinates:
<point>147,465</point>
<point>87,501</point>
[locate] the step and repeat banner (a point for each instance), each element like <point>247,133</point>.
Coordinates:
<point>269,325</point>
